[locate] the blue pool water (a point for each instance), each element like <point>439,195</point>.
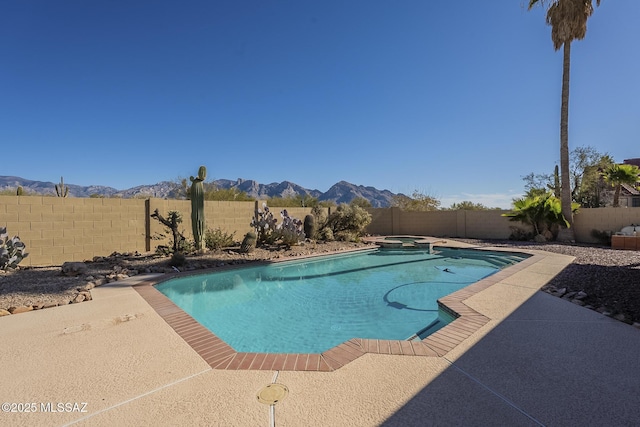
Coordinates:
<point>310,306</point>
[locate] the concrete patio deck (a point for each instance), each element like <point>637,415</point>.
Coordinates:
<point>539,360</point>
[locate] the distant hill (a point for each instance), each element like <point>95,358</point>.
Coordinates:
<point>341,192</point>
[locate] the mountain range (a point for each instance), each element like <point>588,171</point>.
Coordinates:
<point>341,192</point>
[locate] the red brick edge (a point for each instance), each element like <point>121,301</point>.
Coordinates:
<point>219,355</point>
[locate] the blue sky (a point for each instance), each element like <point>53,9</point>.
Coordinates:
<point>457,100</point>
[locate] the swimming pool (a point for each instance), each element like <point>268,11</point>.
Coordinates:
<point>312,305</point>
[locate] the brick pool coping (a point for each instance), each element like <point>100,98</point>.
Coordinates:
<point>219,355</point>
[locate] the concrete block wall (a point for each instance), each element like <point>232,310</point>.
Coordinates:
<point>436,223</point>
<point>57,229</point>
<point>603,219</point>
<point>487,224</point>
<point>464,224</point>
<point>382,221</point>
<point>491,224</point>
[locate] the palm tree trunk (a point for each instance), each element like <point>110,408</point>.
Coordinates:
<point>565,234</point>
<point>616,196</point>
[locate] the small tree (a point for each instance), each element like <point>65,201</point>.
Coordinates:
<point>586,165</point>
<point>172,222</point>
<point>417,202</point>
<point>616,175</point>
<point>360,201</point>
<point>305,201</point>
<point>470,206</point>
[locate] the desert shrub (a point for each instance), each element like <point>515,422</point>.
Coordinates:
<point>320,216</point>
<point>346,236</point>
<point>326,234</point>
<point>12,250</point>
<point>218,239</point>
<point>348,222</point>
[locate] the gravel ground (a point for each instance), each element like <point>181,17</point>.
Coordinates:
<point>609,278</point>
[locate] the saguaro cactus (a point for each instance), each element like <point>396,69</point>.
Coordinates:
<point>197,207</point>
<point>62,190</point>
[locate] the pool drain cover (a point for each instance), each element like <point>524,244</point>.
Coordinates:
<point>272,394</point>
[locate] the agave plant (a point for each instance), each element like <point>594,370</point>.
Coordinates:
<point>12,250</point>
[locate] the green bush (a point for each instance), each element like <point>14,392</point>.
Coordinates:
<point>543,212</point>
<point>326,234</point>
<point>348,222</point>
<point>218,239</point>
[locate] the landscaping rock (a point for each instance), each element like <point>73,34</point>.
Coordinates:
<point>21,309</point>
<point>621,317</point>
<point>580,295</point>
<point>4,312</point>
<point>73,269</point>
<point>88,286</point>
<point>77,299</point>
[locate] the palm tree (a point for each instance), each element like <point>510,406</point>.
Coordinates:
<point>568,21</point>
<point>616,175</point>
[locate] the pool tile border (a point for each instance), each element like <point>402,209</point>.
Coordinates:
<point>219,355</point>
